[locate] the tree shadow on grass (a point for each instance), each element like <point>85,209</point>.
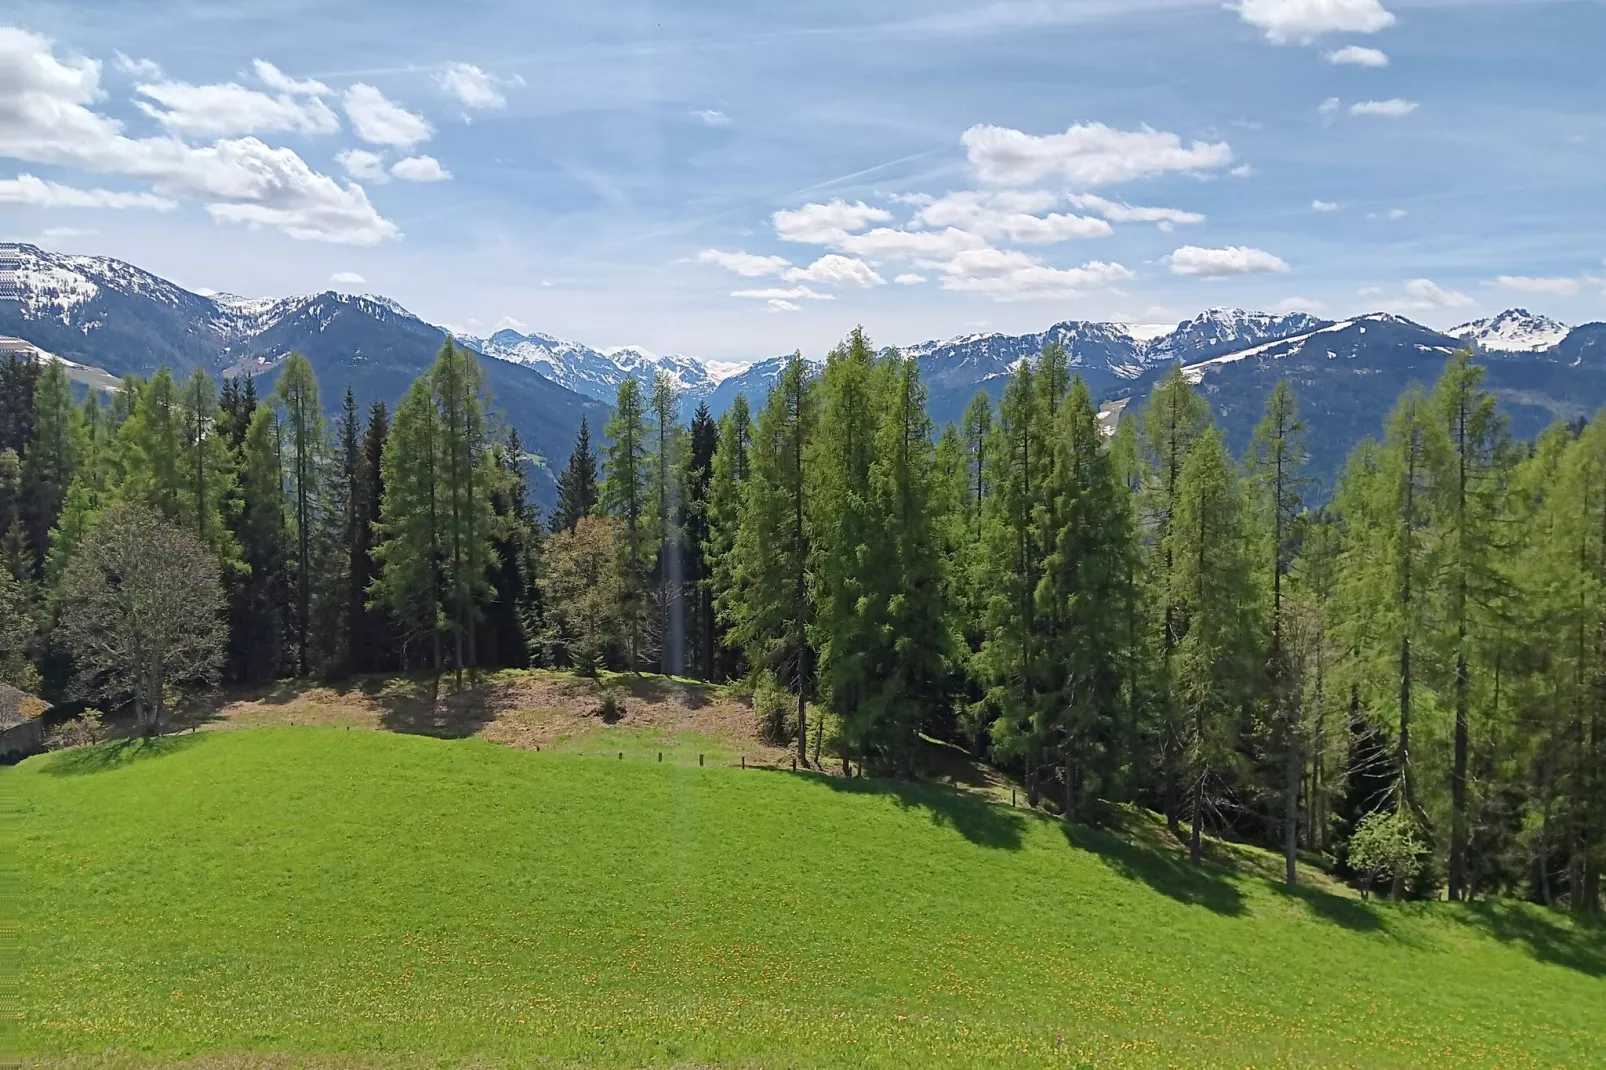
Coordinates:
<point>975,819</point>
<point>427,705</point>
<point>82,761</point>
<point>1549,936</point>
<point>1170,875</point>
<point>1350,914</point>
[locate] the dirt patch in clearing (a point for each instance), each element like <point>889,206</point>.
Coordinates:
<point>525,709</point>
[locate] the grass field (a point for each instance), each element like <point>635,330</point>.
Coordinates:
<point>322,896</point>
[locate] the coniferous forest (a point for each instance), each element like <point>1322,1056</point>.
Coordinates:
<point>1406,675</point>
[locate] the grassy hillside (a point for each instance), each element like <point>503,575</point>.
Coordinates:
<point>362,897</point>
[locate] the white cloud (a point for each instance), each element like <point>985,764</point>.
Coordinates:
<point>274,78</point>
<point>1008,212</point>
<point>473,87</point>
<point>222,110</point>
<point>885,242</point>
<point>909,278</point>
<point>1397,213</point>
<point>1243,170</point>
<point>837,271</point>
<point>1299,304</point>
<point>380,121</point>
<point>147,69</point>
<point>778,294</point>
<point>1302,21</point>
<point>1358,56</point>
<point>347,278</point>
<point>1117,212</point>
<point>420,169</point>
<point>1329,107</point>
<point>368,166</point>
<point>749,265</point>
<point>45,117</point>
<point>38,193</point>
<point>1526,284</point>
<point>58,233</point>
<point>776,304</point>
<point>1088,154</point>
<point>1323,206</point>
<point>1394,108</point>
<point>823,224</point>
<point>1425,295</point>
<point>1197,263</point>
<point>1011,275</point>
<point>712,117</point>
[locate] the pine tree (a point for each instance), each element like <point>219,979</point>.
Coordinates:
<point>770,612</point>
<point>914,640</point>
<point>577,484</point>
<point>1216,656</point>
<point>149,446</point>
<point>727,489</point>
<point>52,458</point>
<point>302,435</point>
<point>668,497</point>
<point>1008,659</point>
<point>1173,420</point>
<point>1085,528</point>
<point>846,533</point>
<point>468,477</point>
<point>512,613</point>
<point>206,467</point>
<point>1469,496</point>
<point>408,545</point>
<point>1275,461</point>
<point>627,495</point>
<point>697,477</point>
<point>261,608</point>
<point>374,648</point>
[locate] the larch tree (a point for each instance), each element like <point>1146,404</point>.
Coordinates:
<point>627,495</point>
<point>305,447</point>
<point>770,613</point>
<point>1276,485</point>
<point>1212,592</point>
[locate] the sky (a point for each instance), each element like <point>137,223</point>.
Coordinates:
<point>734,179</point>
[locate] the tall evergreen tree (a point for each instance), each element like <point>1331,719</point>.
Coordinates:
<point>305,446</point>
<point>627,494</point>
<point>727,489</point>
<point>697,479</point>
<point>1216,655</point>
<point>52,457</point>
<point>668,497</point>
<point>1276,459</point>
<point>770,612</point>
<point>577,484</point>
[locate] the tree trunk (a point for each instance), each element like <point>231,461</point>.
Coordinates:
<point>1458,786</point>
<point>1296,763</point>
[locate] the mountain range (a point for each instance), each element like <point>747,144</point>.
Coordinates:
<point>105,314</point>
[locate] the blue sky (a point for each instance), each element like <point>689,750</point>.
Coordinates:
<point>593,170</point>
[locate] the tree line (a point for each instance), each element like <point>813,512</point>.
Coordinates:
<point>1409,677</point>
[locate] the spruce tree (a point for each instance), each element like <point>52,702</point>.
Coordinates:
<point>577,484</point>
<point>57,449</point>
<point>668,496</point>
<point>697,478</point>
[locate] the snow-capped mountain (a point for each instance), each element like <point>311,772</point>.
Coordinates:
<point>598,373</point>
<point>106,314</point>
<point>1515,330</point>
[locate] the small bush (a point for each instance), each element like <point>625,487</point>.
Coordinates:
<point>611,709</point>
<point>1384,847</point>
<point>81,731</point>
<point>774,706</point>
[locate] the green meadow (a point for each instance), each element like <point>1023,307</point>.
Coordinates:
<point>328,897</point>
